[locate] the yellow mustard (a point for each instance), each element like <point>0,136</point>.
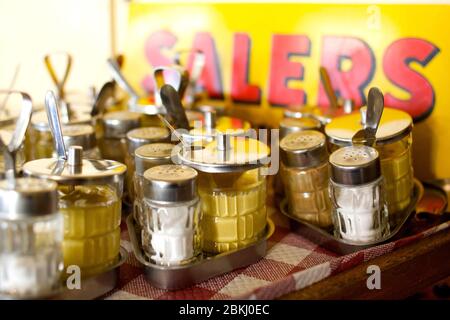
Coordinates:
<point>232,189</point>
<point>394,141</point>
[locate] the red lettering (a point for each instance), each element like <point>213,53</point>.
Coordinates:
<point>396,65</point>
<point>211,78</point>
<point>154,45</point>
<point>350,83</point>
<point>241,90</point>
<point>282,69</point>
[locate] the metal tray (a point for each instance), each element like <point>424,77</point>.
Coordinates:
<point>95,286</point>
<point>418,208</point>
<point>91,288</point>
<point>204,268</point>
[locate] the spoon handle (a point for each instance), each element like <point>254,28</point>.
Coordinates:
<point>375,105</point>
<point>120,79</point>
<point>326,82</point>
<point>51,107</point>
<point>60,83</point>
<point>106,93</point>
<point>172,103</point>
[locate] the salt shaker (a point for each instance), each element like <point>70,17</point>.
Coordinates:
<point>31,233</point>
<point>135,139</point>
<point>146,157</point>
<point>304,170</point>
<point>360,212</point>
<point>172,214</point>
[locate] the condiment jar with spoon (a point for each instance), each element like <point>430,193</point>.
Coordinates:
<point>90,193</point>
<point>393,143</point>
<point>29,266</point>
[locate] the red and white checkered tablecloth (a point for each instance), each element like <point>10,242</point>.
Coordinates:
<point>292,262</point>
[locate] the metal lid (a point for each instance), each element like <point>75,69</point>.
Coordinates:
<point>141,136</point>
<point>303,149</point>
<point>27,197</point>
<point>117,124</point>
<point>151,155</point>
<point>355,165</point>
<point>146,106</point>
<point>76,170</point>
<point>170,183</point>
<point>394,125</point>
<point>82,135</point>
<point>39,120</point>
<point>227,154</point>
<point>289,125</point>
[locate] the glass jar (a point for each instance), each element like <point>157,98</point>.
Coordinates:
<point>6,135</point>
<point>394,141</point>
<point>360,213</point>
<point>146,157</point>
<point>82,135</point>
<point>39,137</point>
<point>90,194</point>
<point>304,171</point>
<point>31,233</point>
<point>289,125</point>
<point>135,139</point>
<point>232,190</point>
<point>172,215</point>
<point>114,127</point>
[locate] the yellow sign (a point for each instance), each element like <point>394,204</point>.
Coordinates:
<point>261,58</point>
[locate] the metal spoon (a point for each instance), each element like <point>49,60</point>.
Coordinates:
<point>106,93</point>
<point>374,111</point>
<point>11,87</point>
<point>172,102</point>
<point>177,77</point>
<point>121,80</point>
<point>60,83</point>
<point>10,150</point>
<point>326,82</point>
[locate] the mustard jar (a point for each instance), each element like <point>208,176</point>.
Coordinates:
<point>82,135</point>
<point>172,215</point>
<point>304,170</point>
<point>289,125</point>
<point>115,126</point>
<point>40,136</point>
<point>135,139</point>
<point>90,192</point>
<point>146,157</point>
<point>393,143</point>
<point>232,189</point>
<point>357,194</point>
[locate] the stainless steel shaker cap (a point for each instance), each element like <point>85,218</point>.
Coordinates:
<point>117,124</point>
<point>27,197</point>
<point>150,155</point>
<point>170,183</point>
<point>141,136</point>
<point>303,149</point>
<point>355,165</point>
<point>289,125</point>
<point>82,135</point>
